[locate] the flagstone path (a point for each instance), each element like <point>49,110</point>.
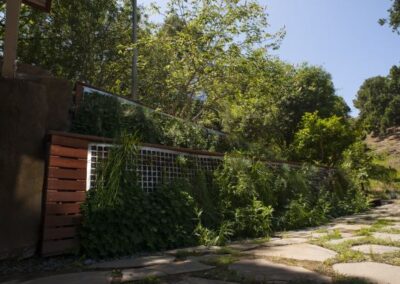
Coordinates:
<point>364,246</point>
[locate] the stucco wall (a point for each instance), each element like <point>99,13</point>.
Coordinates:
<point>29,108</point>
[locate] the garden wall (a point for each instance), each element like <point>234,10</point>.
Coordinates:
<point>72,170</point>
<point>29,107</point>
<point>73,160</point>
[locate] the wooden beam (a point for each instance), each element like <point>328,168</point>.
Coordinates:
<point>13,9</point>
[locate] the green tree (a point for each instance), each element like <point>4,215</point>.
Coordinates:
<point>78,40</point>
<point>268,99</point>
<point>183,61</point>
<point>378,100</point>
<point>313,90</point>
<point>322,140</point>
<point>394,17</point>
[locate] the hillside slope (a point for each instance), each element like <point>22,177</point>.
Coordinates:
<point>387,146</point>
<point>387,150</point>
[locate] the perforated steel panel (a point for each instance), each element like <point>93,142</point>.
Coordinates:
<point>154,165</point>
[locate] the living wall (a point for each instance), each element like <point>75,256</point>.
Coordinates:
<point>107,116</point>
<point>245,198</point>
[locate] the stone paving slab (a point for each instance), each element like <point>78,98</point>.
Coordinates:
<point>387,236</point>
<point>264,270</point>
<point>318,235</point>
<point>296,251</point>
<point>134,262</point>
<point>375,249</point>
<point>181,267</point>
<point>139,274</point>
<point>339,241</point>
<point>285,241</point>
<point>380,273</point>
<point>391,218</point>
<point>198,249</point>
<point>349,227</point>
<point>297,234</point>
<point>243,246</point>
<point>395,226</point>
<point>193,280</point>
<point>99,277</point>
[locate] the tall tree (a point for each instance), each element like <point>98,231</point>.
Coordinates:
<point>182,59</point>
<point>78,40</point>
<point>313,90</point>
<point>394,17</point>
<point>377,100</point>
<point>271,97</point>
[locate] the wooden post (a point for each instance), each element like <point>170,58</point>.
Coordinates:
<point>134,94</point>
<point>13,8</point>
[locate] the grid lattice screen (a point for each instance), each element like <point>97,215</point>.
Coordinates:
<point>154,165</point>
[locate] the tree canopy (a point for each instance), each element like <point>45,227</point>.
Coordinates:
<point>322,140</point>
<point>378,101</point>
<point>394,17</point>
<point>208,62</point>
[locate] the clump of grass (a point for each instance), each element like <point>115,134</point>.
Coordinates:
<point>350,280</point>
<point>379,226</point>
<point>227,250</point>
<point>222,273</point>
<point>260,240</point>
<point>391,231</point>
<point>381,223</point>
<point>333,235</point>
<point>365,232</point>
<point>184,254</point>
<point>347,254</point>
<point>223,260</point>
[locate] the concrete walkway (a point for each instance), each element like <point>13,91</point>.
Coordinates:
<point>364,246</point>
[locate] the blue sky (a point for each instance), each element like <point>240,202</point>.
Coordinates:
<point>343,36</point>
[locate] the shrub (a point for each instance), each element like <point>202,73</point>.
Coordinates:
<point>106,116</point>
<point>302,213</point>
<point>119,219</point>
<point>255,197</point>
<point>253,220</point>
<point>245,196</point>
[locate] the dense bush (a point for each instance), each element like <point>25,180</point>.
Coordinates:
<point>108,117</point>
<point>293,198</point>
<point>119,219</point>
<point>322,140</point>
<point>245,198</point>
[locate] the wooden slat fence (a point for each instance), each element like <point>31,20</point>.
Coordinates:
<point>64,193</point>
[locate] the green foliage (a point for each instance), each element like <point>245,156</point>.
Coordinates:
<point>106,116</point>
<point>185,59</point>
<point>252,192</point>
<point>204,191</point>
<point>264,112</point>
<point>119,219</point>
<point>378,102</point>
<point>213,237</point>
<point>312,91</point>
<point>78,40</point>
<point>363,167</point>
<point>322,140</point>
<point>394,17</point>
<point>138,222</point>
<point>301,213</point>
<point>254,220</point>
